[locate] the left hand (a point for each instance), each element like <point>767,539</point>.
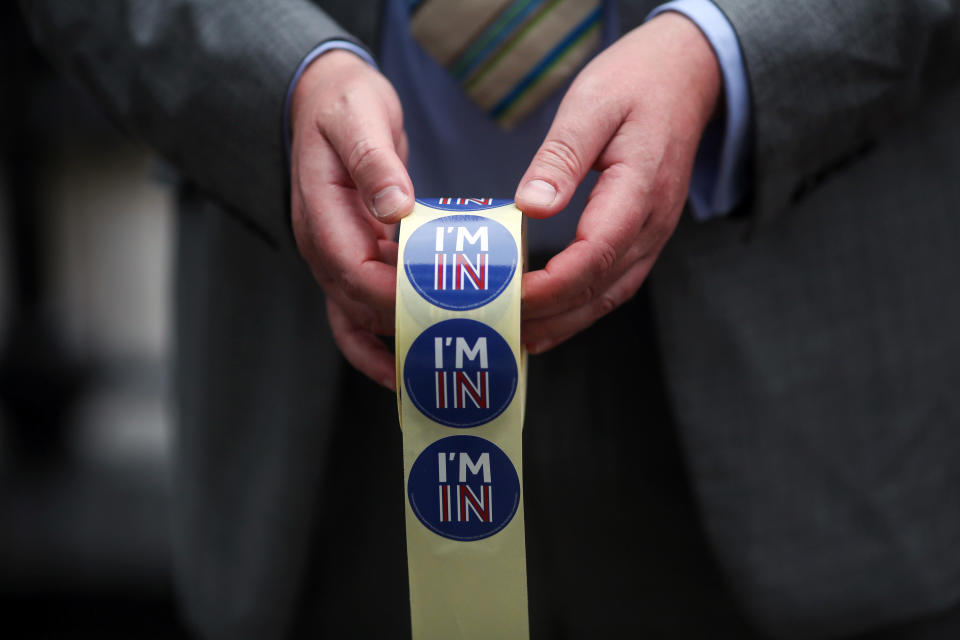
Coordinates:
<point>348,185</point>
<point>635,113</point>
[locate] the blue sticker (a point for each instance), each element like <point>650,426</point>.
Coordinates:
<point>460,373</point>
<point>464,204</point>
<point>464,488</point>
<point>460,262</point>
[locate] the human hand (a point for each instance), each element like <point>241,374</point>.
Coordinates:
<point>349,185</point>
<point>635,113</point>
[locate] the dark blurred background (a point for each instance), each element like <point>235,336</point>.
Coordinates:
<point>85,418</point>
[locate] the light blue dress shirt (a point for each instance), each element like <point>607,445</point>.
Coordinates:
<point>456,149</point>
<point>719,176</point>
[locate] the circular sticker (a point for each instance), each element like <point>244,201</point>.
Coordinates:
<point>460,262</point>
<point>464,488</point>
<point>460,373</point>
<point>464,204</point>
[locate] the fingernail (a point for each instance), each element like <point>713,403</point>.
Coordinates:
<point>388,201</point>
<point>389,383</point>
<point>539,193</point>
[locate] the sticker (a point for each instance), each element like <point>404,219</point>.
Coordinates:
<point>464,204</point>
<point>464,488</point>
<point>460,373</point>
<point>461,364</point>
<point>460,262</point>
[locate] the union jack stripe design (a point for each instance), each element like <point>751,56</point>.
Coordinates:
<point>445,515</point>
<point>482,505</point>
<point>466,272</point>
<point>479,393</point>
<point>467,501</point>
<point>464,389</point>
<point>441,389</point>
<point>466,201</point>
<point>439,271</point>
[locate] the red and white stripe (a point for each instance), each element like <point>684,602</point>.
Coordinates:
<point>444,503</point>
<point>477,276</point>
<point>481,505</point>
<point>478,393</point>
<point>440,271</point>
<point>466,201</point>
<point>441,389</point>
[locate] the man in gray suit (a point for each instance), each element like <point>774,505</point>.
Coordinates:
<point>808,345</point>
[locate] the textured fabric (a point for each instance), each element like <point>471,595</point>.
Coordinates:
<point>829,79</point>
<point>254,428</point>
<point>509,55</point>
<point>206,104</point>
<point>812,364</point>
<point>811,350</point>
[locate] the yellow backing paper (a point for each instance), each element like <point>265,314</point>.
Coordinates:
<point>462,588</point>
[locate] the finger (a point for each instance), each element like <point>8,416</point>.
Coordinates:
<point>362,349</point>
<point>609,228</point>
<point>563,303</point>
<point>543,334</point>
<point>361,133</point>
<point>389,250</point>
<point>379,322</point>
<point>336,235</point>
<point>584,124</point>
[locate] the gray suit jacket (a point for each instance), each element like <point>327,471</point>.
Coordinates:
<point>810,344</point>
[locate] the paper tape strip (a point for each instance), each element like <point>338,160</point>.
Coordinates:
<point>461,382</point>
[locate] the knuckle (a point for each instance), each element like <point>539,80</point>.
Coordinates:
<point>369,321</point>
<point>606,304</point>
<point>377,323</point>
<point>349,284</point>
<point>637,251</point>
<point>559,155</point>
<point>363,155</point>
<point>593,88</point>
<point>597,94</point>
<point>585,296</point>
<point>338,103</point>
<point>605,254</point>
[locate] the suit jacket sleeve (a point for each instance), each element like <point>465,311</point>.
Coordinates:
<point>828,78</point>
<point>203,81</point>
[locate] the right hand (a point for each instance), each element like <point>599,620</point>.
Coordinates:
<point>349,186</point>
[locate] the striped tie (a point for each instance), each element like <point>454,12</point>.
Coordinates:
<point>508,55</point>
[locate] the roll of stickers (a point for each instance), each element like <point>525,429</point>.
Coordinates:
<point>461,382</point>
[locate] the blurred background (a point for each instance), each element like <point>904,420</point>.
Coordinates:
<point>86,233</point>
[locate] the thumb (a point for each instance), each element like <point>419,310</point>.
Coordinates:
<point>364,139</point>
<point>578,134</point>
